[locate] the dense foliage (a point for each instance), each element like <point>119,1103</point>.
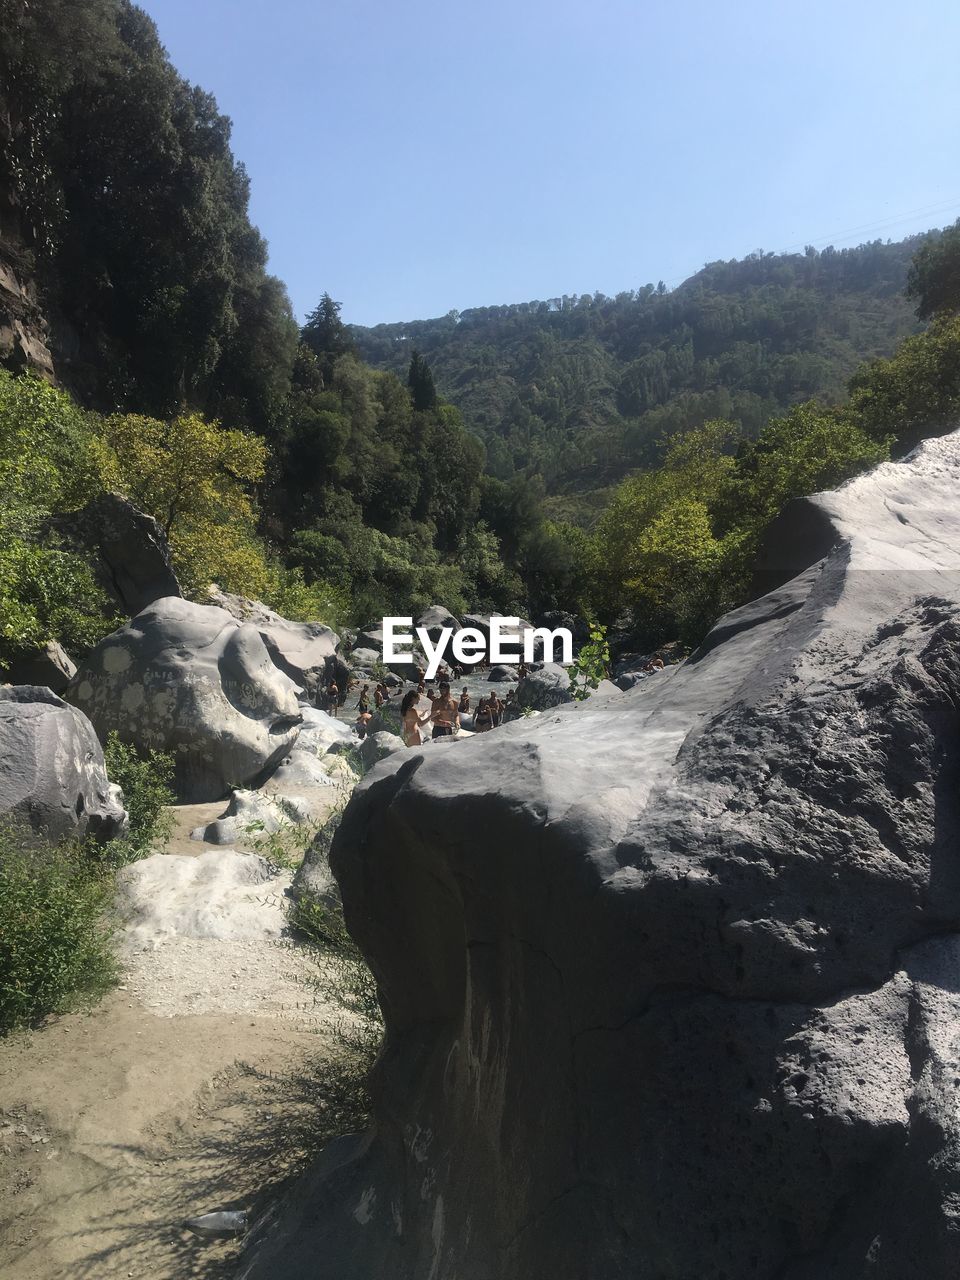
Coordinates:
<point>55,942</point>
<point>377,485</point>
<point>675,547</point>
<point>119,177</point>
<point>195,477</point>
<point>582,389</point>
<point>146,781</point>
<point>54,948</point>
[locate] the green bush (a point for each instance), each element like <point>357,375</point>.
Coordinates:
<point>55,950</point>
<point>146,782</point>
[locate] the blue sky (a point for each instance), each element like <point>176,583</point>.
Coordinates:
<point>410,159</point>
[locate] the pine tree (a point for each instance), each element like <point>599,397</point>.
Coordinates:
<point>420,382</point>
<point>326,334</point>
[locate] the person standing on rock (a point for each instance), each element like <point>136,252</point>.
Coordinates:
<point>329,698</point>
<point>412,719</point>
<point>378,696</point>
<point>496,711</point>
<point>363,702</point>
<point>481,721</point>
<point>445,715</point>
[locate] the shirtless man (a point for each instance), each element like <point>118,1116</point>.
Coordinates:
<point>445,715</point>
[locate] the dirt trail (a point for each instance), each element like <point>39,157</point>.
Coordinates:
<point>117,1124</point>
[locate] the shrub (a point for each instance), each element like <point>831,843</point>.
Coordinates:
<point>145,781</point>
<point>592,664</point>
<point>55,950</point>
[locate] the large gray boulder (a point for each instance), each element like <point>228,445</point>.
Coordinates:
<point>370,638</point>
<point>314,880</point>
<point>133,558</point>
<point>511,635</point>
<point>378,745</point>
<point>52,775</point>
<point>190,679</point>
<point>435,619</point>
<point>50,668</point>
<point>502,675</point>
<point>671,981</point>
<point>313,763</point>
<point>547,686</point>
<point>368,650</point>
<point>364,659</point>
<point>302,650</point>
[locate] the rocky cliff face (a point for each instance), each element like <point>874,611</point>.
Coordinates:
<point>24,336</point>
<point>672,982</point>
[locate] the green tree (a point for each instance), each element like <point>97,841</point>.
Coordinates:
<point>914,393</point>
<point>196,479</point>
<point>934,278</point>
<point>326,335</point>
<point>809,449</point>
<point>420,381</point>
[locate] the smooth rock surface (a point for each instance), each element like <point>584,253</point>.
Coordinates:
<point>50,668</point>
<point>377,746</point>
<point>435,619</point>
<point>190,679</point>
<point>314,879</point>
<point>52,775</point>
<point>133,556</point>
<point>364,659</point>
<point>301,650</point>
<point>548,686</point>
<point>512,636</point>
<point>313,765</point>
<point>672,981</point>
<point>222,894</point>
<point>250,815</point>
<point>501,674</point>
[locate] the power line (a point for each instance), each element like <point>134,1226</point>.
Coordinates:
<point>821,242</point>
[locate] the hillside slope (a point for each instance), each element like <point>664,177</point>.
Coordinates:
<point>581,389</point>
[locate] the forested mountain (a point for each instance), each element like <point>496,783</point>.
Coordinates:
<point>582,389</point>
<point>344,474</point>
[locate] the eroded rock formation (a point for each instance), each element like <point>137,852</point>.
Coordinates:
<point>302,650</point>
<point>131,551</point>
<point>190,679</point>
<point>672,980</point>
<point>52,775</point>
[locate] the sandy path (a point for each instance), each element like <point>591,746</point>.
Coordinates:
<point>117,1124</point>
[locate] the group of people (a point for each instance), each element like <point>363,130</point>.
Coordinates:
<point>444,714</point>
<point>491,711</point>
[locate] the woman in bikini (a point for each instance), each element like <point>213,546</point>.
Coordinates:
<point>412,719</point>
